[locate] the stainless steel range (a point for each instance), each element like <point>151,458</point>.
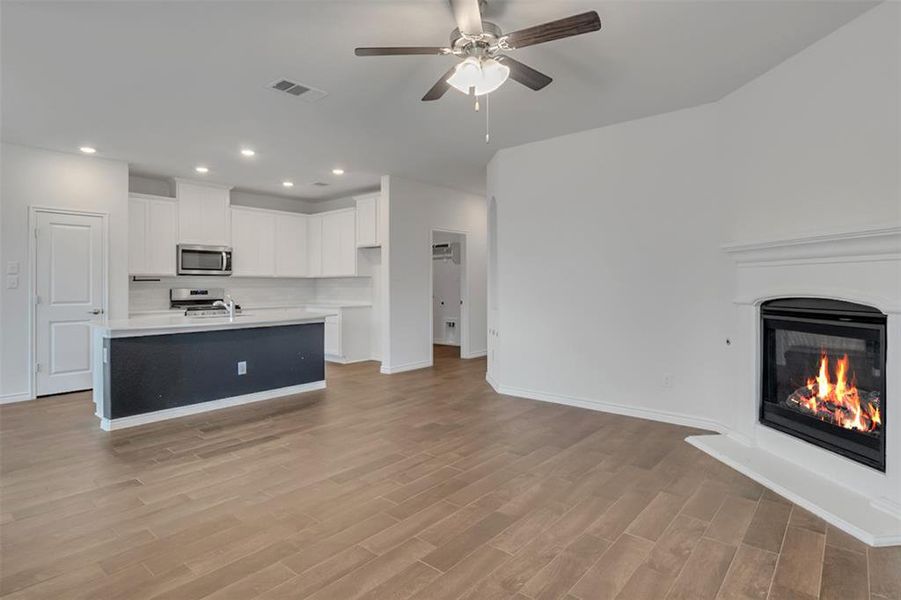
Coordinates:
<point>201,302</point>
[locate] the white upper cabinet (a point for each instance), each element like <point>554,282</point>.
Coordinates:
<point>339,248</point>
<point>368,220</point>
<point>162,232</point>
<point>314,245</point>
<point>152,235</point>
<point>137,235</point>
<point>253,242</point>
<point>269,243</point>
<point>290,245</point>
<point>203,213</point>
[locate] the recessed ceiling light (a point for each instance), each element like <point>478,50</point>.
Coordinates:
<point>88,150</point>
<point>201,169</point>
<point>337,171</point>
<point>288,183</point>
<point>247,152</point>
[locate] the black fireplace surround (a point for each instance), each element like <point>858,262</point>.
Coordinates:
<point>823,369</point>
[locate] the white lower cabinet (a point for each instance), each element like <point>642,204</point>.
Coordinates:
<point>346,333</point>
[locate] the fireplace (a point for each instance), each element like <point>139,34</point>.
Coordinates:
<point>823,369</point>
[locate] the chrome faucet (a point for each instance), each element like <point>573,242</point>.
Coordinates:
<point>229,306</point>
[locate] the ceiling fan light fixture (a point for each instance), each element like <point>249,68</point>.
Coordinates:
<point>482,75</point>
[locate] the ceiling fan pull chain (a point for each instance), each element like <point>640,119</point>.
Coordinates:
<point>487,130</point>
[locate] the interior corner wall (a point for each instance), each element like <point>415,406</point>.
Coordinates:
<point>613,292</point>
<point>612,289</point>
<point>42,178</point>
<point>414,209</point>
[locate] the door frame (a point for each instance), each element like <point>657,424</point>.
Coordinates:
<point>464,292</point>
<point>31,318</point>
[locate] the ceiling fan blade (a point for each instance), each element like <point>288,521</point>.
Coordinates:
<point>468,16</point>
<point>400,51</point>
<point>525,74</point>
<point>440,87</point>
<point>553,30</point>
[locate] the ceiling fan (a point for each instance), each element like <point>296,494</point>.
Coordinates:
<point>482,46</point>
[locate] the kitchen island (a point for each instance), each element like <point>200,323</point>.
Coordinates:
<point>152,368</point>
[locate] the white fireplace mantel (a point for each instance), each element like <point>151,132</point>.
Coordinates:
<point>864,266</point>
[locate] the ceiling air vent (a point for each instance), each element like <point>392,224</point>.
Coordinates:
<point>304,92</point>
<point>320,183</point>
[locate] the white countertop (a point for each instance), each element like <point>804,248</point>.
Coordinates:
<point>262,307</point>
<point>164,324</point>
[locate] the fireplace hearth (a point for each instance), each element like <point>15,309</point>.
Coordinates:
<point>824,380</point>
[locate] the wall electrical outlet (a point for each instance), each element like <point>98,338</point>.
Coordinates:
<point>242,367</point>
<point>667,381</point>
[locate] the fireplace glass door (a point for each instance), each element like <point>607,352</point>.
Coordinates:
<point>824,375</point>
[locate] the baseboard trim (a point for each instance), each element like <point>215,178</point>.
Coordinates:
<point>491,381</point>
<point>873,522</point>
<point>344,361</point>
<point>391,369</point>
<point>476,354</point>
<point>13,398</point>
<point>202,407</point>
<point>609,407</point>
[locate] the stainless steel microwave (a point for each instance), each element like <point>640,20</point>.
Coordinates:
<point>194,259</point>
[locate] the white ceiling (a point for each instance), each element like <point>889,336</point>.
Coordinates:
<point>169,85</point>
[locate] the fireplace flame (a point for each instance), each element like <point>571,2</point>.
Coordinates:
<point>838,400</point>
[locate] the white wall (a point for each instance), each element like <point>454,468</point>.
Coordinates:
<point>610,275</point>
<point>244,198</point>
<point>145,184</point>
<point>611,286</point>
<point>35,177</point>
<point>412,210</point>
<point>813,145</point>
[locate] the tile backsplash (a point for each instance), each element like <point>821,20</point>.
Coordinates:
<point>252,291</point>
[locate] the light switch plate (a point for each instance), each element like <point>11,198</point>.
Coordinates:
<point>242,367</point>
<point>12,282</point>
<point>12,268</point>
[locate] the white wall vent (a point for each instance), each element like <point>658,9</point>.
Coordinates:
<point>298,90</point>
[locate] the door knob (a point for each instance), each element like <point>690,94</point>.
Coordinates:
<point>97,311</point>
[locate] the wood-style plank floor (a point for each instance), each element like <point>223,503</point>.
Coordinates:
<point>418,485</point>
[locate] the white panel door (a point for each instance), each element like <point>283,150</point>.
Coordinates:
<point>69,286</point>
<point>314,246</point>
<point>291,245</point>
